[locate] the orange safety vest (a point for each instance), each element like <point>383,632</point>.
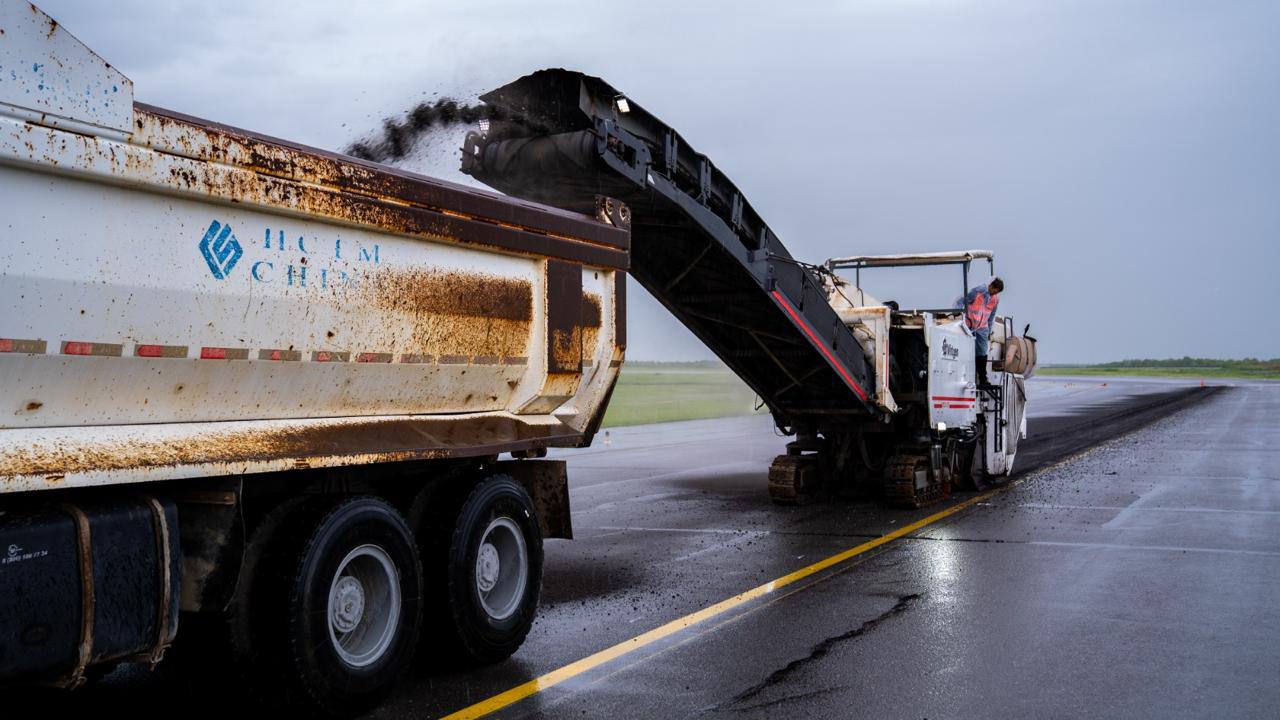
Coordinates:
<point>979,311</point>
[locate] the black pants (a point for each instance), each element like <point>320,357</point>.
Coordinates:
<point>981,361</point>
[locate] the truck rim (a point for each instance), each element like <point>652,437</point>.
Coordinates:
<point>364,605</point>
<point>502,568</point>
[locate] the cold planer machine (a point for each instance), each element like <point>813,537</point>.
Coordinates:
<point>856,402</point>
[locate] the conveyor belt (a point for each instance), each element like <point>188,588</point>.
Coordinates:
<point>697,245</point>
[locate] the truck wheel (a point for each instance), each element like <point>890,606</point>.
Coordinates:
<point>346,610</point>
<point>494,570</point>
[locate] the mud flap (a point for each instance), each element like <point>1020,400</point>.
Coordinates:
<point>547,482</point>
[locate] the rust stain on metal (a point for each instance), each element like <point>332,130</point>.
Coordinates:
<point>367,194</point>
<point>389,438</point>
<point>590,310</point>
<point>564,317</point>
<point>566,349</point>
<point>451,314</point>
<point>452,293</point>
<point>590,324</point>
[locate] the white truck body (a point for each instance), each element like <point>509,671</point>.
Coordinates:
<point>185,299</point>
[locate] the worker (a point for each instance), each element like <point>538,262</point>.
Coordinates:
<point>979,306</point>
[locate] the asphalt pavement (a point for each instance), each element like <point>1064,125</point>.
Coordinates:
<point>1120,574</point>
<point>1131,569</point>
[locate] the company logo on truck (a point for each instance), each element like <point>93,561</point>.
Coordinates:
<point>290,258</point>
<point>220,249</point>
<point>18,554</point>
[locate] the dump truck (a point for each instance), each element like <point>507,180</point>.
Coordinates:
<point>881,399</point>
<point>272,398</point>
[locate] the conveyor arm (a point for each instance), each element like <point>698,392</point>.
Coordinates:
<point>697,245</point>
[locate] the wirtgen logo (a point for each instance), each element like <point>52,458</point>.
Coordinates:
<point>220,249</point>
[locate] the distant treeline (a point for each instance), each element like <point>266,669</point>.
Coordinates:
<point>1247,364</point>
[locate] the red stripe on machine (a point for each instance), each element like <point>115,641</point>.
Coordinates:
<point>956,399</point>
<point>813,338</point>
<point>961,407</point>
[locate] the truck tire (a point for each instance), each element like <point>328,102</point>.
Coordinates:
<point>494,571</point>
<point>340,606</point>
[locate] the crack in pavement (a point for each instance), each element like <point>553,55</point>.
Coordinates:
<point>789,698</point>
<point>817,652</point>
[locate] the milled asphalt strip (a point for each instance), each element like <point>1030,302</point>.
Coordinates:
<point>591,662</point>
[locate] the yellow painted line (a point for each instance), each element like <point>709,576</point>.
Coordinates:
<point>591,662</point>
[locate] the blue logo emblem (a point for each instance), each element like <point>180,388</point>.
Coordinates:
<point>220,249</point>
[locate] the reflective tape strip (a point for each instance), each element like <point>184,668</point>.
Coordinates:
<point>286,355</point>
<point>35,347</point>
<point>328,356</point>
<point>77,347</point>
<point>417,358</point>
<point>160,351</point>
<point>219,353</point>
<point>371,357</point>
<point>817,342</point>
<point>484,360</point>
<point>515,361</point>
<point>453,359</point>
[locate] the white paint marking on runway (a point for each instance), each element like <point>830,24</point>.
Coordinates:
<point>627,501</point>
<point>1153,548</point>
<point>1139,508</point>
<point>725,545</point>
<point>697,472</point>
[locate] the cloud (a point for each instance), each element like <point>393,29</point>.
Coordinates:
<point>1120,158</point>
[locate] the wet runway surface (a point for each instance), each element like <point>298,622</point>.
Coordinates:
<point>1135,579</point>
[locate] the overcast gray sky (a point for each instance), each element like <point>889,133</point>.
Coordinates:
<point>1121,158</point>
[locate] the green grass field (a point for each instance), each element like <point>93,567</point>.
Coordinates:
<point>1160,372</point>
<point>663,392</point>
<point>650,392</point>
<point>1187,367</point>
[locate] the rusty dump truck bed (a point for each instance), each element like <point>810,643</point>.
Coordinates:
<point>190,299</point>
